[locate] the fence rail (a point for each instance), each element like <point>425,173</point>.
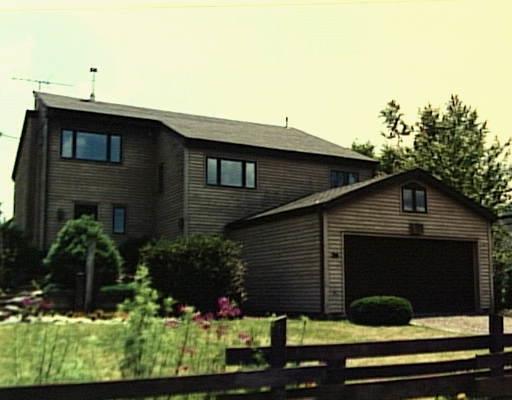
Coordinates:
<point>481,375</point>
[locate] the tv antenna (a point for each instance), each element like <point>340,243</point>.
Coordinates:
<point>8,136</point>
<point>40,82</point>
<point>93,71</point>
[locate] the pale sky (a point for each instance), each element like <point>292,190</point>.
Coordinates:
<point>329,65</point>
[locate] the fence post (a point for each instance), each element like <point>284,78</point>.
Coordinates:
<point>496,344</point>
<point>335,370</point>
<point>278,352</point>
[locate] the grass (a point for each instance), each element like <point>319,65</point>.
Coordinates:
<point>43,352</point>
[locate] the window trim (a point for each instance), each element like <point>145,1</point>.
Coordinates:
<point>356,173</point>
<point>244,173</point>
<point>413,186</point>
<point>74,142</point>
<point>123,207</point>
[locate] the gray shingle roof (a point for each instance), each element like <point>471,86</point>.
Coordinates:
<point>212,129</point>
<point>332,196</point>
<point>317,198</point>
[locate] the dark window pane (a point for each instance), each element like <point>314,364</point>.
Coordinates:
<point>231,173</point>
<point>115,148</point>
<point>119,220</point>
<point>91,146</point>
<point>407,200</point>
<point>250,175</point>
<point>421,204</point>
<point>341,178</point>
<point>67,144</point>
<point>86,209</point>
<point>336,179</point>
<point>211,174</point>
<point>352,177</point>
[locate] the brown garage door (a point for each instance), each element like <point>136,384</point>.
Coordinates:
<point>437,276</point>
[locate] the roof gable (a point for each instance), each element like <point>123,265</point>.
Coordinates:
<point>197,127</point>
<point>336,196</point>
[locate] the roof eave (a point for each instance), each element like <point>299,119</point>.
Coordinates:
<point>197,141</point>
<point>28,114</point>
<point>417,173</point>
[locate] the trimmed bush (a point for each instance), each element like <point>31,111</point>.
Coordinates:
<point>68,253</point>
<point>196,270</point>
<point>380,310</point>
<point>20,262</point>
<point>130,252</point>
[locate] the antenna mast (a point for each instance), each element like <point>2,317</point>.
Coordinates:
<point>40,82</point>
<point>93,70</point>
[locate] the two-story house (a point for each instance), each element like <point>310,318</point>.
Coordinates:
<point>318,228</point>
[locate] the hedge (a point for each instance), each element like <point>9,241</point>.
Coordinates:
<point>381,310</point>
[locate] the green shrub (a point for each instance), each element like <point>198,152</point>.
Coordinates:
<point>196,270</point>
<point>68,253</point>
<point>380,310</point>
<point>20,262</point>
<point>118,288</point>
<point>130,252</point>
<point>142,326</point>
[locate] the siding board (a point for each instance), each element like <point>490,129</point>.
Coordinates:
<point>284,271</point>
<point>26,178</point>
<point>169,205</point>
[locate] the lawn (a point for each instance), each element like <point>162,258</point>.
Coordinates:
<point>64,352</point>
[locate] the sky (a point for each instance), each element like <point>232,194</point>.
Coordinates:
<point>329,65</point>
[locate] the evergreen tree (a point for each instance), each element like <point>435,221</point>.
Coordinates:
<point>452,146</point>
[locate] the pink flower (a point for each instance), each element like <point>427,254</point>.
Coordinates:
<point>227,308</point>
<point>28,301</point>
<point>245,338</point>
<point>46,305</point>
<point>172,323</point>
<point>221,331</point>
<point>203,321</point>
<point>223,302</point>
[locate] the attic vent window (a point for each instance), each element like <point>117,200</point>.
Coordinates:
<point>414,198</point>
<point>342,178</point>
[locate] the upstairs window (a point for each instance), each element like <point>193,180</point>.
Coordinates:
<point>231,173</point>
<point>414,198</point>
<point>90,146</point>
<point>343,178</point>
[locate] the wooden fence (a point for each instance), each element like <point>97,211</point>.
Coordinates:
<point>330,377</point>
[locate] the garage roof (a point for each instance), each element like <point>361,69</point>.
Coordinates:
<point>334,196</point>
<point>212,129</point>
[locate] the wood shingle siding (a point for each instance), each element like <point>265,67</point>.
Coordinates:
<point>130,183</point>
<point>380,214</point>
<point>284,268</point>
<point>169,204</point>
<point>26,175</point>
<point>279,180</point>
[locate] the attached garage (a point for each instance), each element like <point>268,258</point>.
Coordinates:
<point>435,275</point>
<point>406,234</point>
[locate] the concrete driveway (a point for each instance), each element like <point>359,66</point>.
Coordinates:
<point>461,324</point>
